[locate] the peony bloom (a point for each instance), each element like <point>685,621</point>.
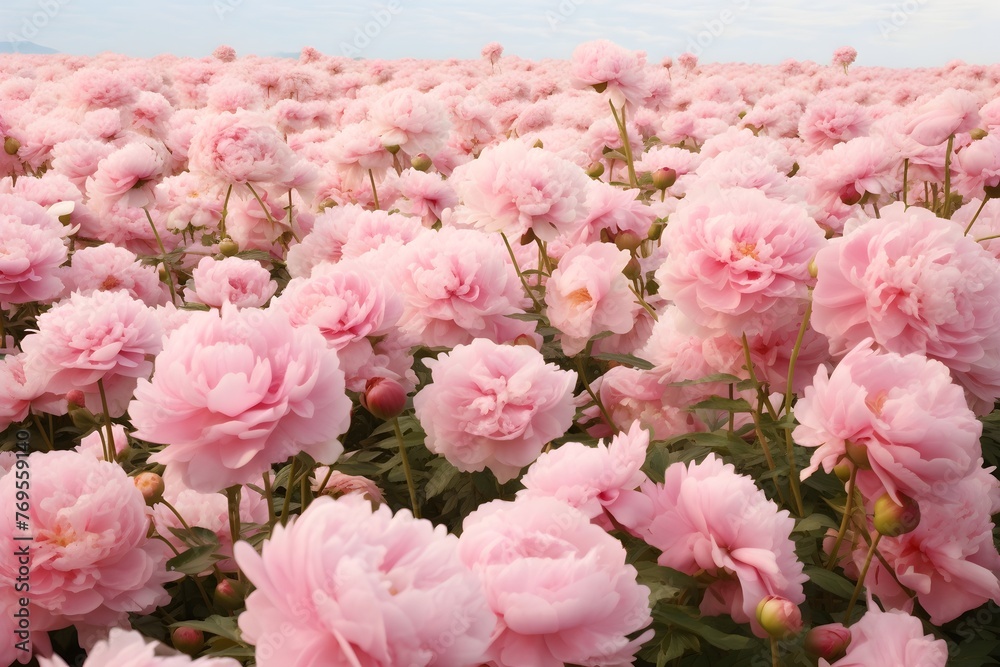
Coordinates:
<point>241,282</point>
<point>891,638</point>
<point>900,418</point>
<point>738,260</point>
<point>415,122</point>
<point>492,52</point>
<point>110,268</point>
<point>18,389</point>
<point>93,444</point>
<point>494,406</point>
<point>610,68</point>
<point>845,56</point>
<point>344,584</point>
<point>600,481</point>
<point>105,337</point>
<point>236,148</point>
<point>588,294</point>
<point>513,188</point>
<point>31,251</point>
<point>951,112</point>
<point>913,283</point>
<point>128,648</point>
<point>709,519</point>
<point>458,285</point>
<point>558,584</point>
<point>238,391</point>
<point>334,483</point>
<point>91,561</point>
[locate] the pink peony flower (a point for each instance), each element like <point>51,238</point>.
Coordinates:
<point>612,69</point>
<point>236,148</point>
<point>900,418</point>
<point>558,584</point>
<point>494,406</point>
<point>492,51</point>
<point>91,561</point>
<point>18,388</point>
<point>600,481</point>
<point>241,282</point>
<point>845,56</point>
<point>238,391</point>
<point>891,638</point>
<point>738,261</point>
<point>93,444</point>
<point>458,285</point>
<point>110,268</point>
<point>105,337</point>
<point>950,112</point>
<point>128,648</point>
<point>708,518</point>
<point>348,585</point>
<point>334,483</point>
<point>588,294</point>
<point>131,167</point>
<point>513,187</point>
<point>415,122</point>
<point>915,284</point>
<point>31,251</point>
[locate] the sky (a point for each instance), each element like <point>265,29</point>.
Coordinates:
<point>906,33</point>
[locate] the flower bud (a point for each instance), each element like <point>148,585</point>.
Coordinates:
<point>230,594</point>
<point>977,134</point>
<point>11,145</point>
<point>228,247</point>
<point>392,149</point>
<point>595,170</point>
<point>150,485</point>
<point>187,640</point>
<point>627,240</point>
<point>827,641</point>
<point>813,268</point>
<point>664,178</point>
<point>384,398</point>
<point>421,162</point>
<point>633,269</point>
<point>524,339</point>
<point>656,229</point>
<point>892,519</point>
<point>843,471</point>
<point>538,144</point>
<point>75,399</point>
<point>850,195</point>
<point>600,87</point>
<point>858,454</point>
<point>779,617</point>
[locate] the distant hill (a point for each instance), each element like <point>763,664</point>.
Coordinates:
<point>25,47</point>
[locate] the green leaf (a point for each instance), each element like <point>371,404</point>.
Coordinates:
<point>440,480</point>
<point>724,404</point>
<point>222,626</point>
<point>830,581</point>
<point>714,377</point>
<point>683,618</point>
<point>195,560</point>
<point>626,359</point>
<point>814,522</point>
<point>197,536</point>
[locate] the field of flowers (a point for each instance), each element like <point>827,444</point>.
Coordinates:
<point>599,362</point>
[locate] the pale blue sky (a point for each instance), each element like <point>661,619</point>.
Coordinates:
<point>907,33</point>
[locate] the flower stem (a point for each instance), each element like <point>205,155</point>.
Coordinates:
<point>861,577</point>
<point>848,508</point>
<point>626,146</point>
<point>269,494</point>
<point>109,449</point>
<point>267,213</point>
<point>225,212</point>
<point>233,496</point>
<point>163,256</point>
<point>524,283</point>
<point>586,385</point>
<point>979,210</point>
<point>45,437</point>
<point>946,212</point>
<point>288,491</point>
<point>775,662</point>
<point>906,173</point>
<point>406,468</point>
<point>371,177</point>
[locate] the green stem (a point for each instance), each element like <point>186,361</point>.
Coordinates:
<point>163,257</point>
<point>906,173</point>
<point>225,212</point>
<point>269,494</point>
<point>288,491</point>
<point>947,178</point>
<point>586,385</point>
<point>45,436</point>
<point>795,354</point>
<point>109,450</point>
<point>411,487</point>
<point>775,662</point>
<point>979,210</point>
<point>543,255</point>
<point>267,213</point>
<point>371,177</point>
<point>177,514</point>
<point>233,496</point>
<point>861,577</point>
<point>626,146</point>
<point>524,283</point>
<point>848,508</point>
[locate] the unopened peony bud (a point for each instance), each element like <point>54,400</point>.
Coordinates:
<point>392,149</point>
<point>600,87</point>
<point>664,178</point>
<point>596,170</point>
<point>150,485</point>
<point>11,146</point>
<point>421,162</point>
<point>230,594</point>
<point>779,617</point>
<point>187,640</point>
<point>384,398</point>
<point>893,520</point>
<point>628,240</point>
<point>843,471</point>
<point>827,641</point>
<point>850,195</point>
<point>75,399</point>
<point>633,269</point>
<point>858,454</point>
<point>977,134</point>
<point>656,229</point>
<point>228,247</point>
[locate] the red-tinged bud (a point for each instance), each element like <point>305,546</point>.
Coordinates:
<point>384,398</point>
<point>150,485</point>
<point>75,399</point>
<point>892,519</point>
<point>628,240</point>
<point>664,178</point>
<point>850,195</point>
<point>858,454</point>
<point>829,642</point>
<point>421,162</point>
<point>187,640</point>
<point>779,617</point>
<point>596,170</point>
<point>228,247</point>
<point>230,594</point>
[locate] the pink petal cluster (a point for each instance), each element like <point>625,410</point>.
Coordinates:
<point>494,406</point>
<point>91,560</point>
<point>914,283</point>
<point>891,638</point>
<point>31,251</point>
<point>709,519</point>
<point>237,148</point>
<point>237,391</point>
<point>543,566</point>
<point>347,585</point>
<point>738,260</point>
<point>241,282</point>
<point>621,71</point>
<point>128,648</point>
